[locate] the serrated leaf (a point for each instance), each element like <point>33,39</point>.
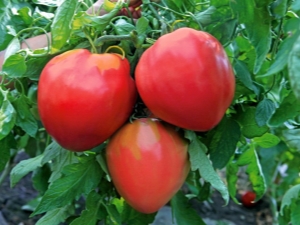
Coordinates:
<point>254,171</point>
<point>250,128</point>
<point>25,119</point>
<point>183,212</point>
<point>292,138</point>
<point>55,216</point>
<point>92,213</point>
<point>5,17</point>
<point>255,16</point>
<point>62,24</point>
<point>79,178</point>
<point>6,144</point>
<point>292,194</point>
<point>199,161</point>
<point>223,143</point>
<point>294,68</point>
<point>285,47</point>
<point>7,116</point>
<point>23,168</point>
<point>268,140</point>
<point>15,66</point>
<point>288,109</point>
<point>264,111</point>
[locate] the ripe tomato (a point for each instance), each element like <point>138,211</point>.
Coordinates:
<point>186,79</point>
<point>148,163</point>
<point>248,199</point>
<point>84,98</point>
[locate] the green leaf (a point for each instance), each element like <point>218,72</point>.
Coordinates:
<point>25,119</point>
<point>224,141</point>
<point>40,179</point>
<point>62,158</point>
<point>291,195</point>
<point>51,3</point>
<point>244,76</point>
<point>62,24</point>
<point>114,214</point>
<point>285,47</point>
<point>142,24</point>
<point>133,217</point>
<point>183,212</point>
<point>232,178</point>
<point>6,144</point>
<point>200,161</point>
<point>264,111</point>
<point>250,128</point>
<point>288,109</point>
<point>254,171</point>
<point>294,68</point>
<point>23,168</point>
<point>122,27</point>
<point>267,140</point>
<point>13,47</point>
<point>15,66</point>
<point>5,17</point>
<point>52,151</point>
<point>79,178</point>
<point>255,16</point>
<point>55,216</point>
<point>35,67</point>
<point>279,8</point>
<point>292,138</point>
<point>7,116</point>
<point>92,213</point>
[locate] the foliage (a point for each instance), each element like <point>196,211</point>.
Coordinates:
<point>260,131</point>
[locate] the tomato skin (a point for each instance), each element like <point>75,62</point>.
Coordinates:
<point>84,98</point>
<point>148,163</point>
<point>248,199</point>
<point>186,79</point>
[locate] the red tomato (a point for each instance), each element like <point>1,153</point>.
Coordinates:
<point>148,163</point>
<point>84,98</point>
<point>186,79</point>
<point>248,199</point>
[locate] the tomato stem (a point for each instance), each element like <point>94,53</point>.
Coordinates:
<point>99,42</point>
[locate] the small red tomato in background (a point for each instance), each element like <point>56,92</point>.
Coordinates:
<point>248,199</point>
<point>186,79</point>
<point>84,98</point>
<point>148,163</point>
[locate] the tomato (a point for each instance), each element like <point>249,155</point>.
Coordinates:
<point>186,79</point>
<point>84,98</point>
<point>248,199</point>
<point>148,163</point>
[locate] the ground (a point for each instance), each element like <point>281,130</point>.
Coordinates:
<point>213,212</point>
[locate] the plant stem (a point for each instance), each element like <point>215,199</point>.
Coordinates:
<point>5,172</point>
<point>105,38</point>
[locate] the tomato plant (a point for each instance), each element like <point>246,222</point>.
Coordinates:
<point>186,79</point>
<point>148,163</point>
<point>224,73</point>
<point>84,98</point>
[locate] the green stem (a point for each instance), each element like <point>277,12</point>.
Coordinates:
<point>94,49</point>
<point>5,172</point>
<point>164,8</point>
<point>104,38</point>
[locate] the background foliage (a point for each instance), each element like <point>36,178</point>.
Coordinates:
<point>260,132</point>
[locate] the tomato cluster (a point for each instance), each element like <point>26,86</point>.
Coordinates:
<point>185,79</point>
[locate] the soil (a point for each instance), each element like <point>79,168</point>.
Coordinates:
<point>213,212</point>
